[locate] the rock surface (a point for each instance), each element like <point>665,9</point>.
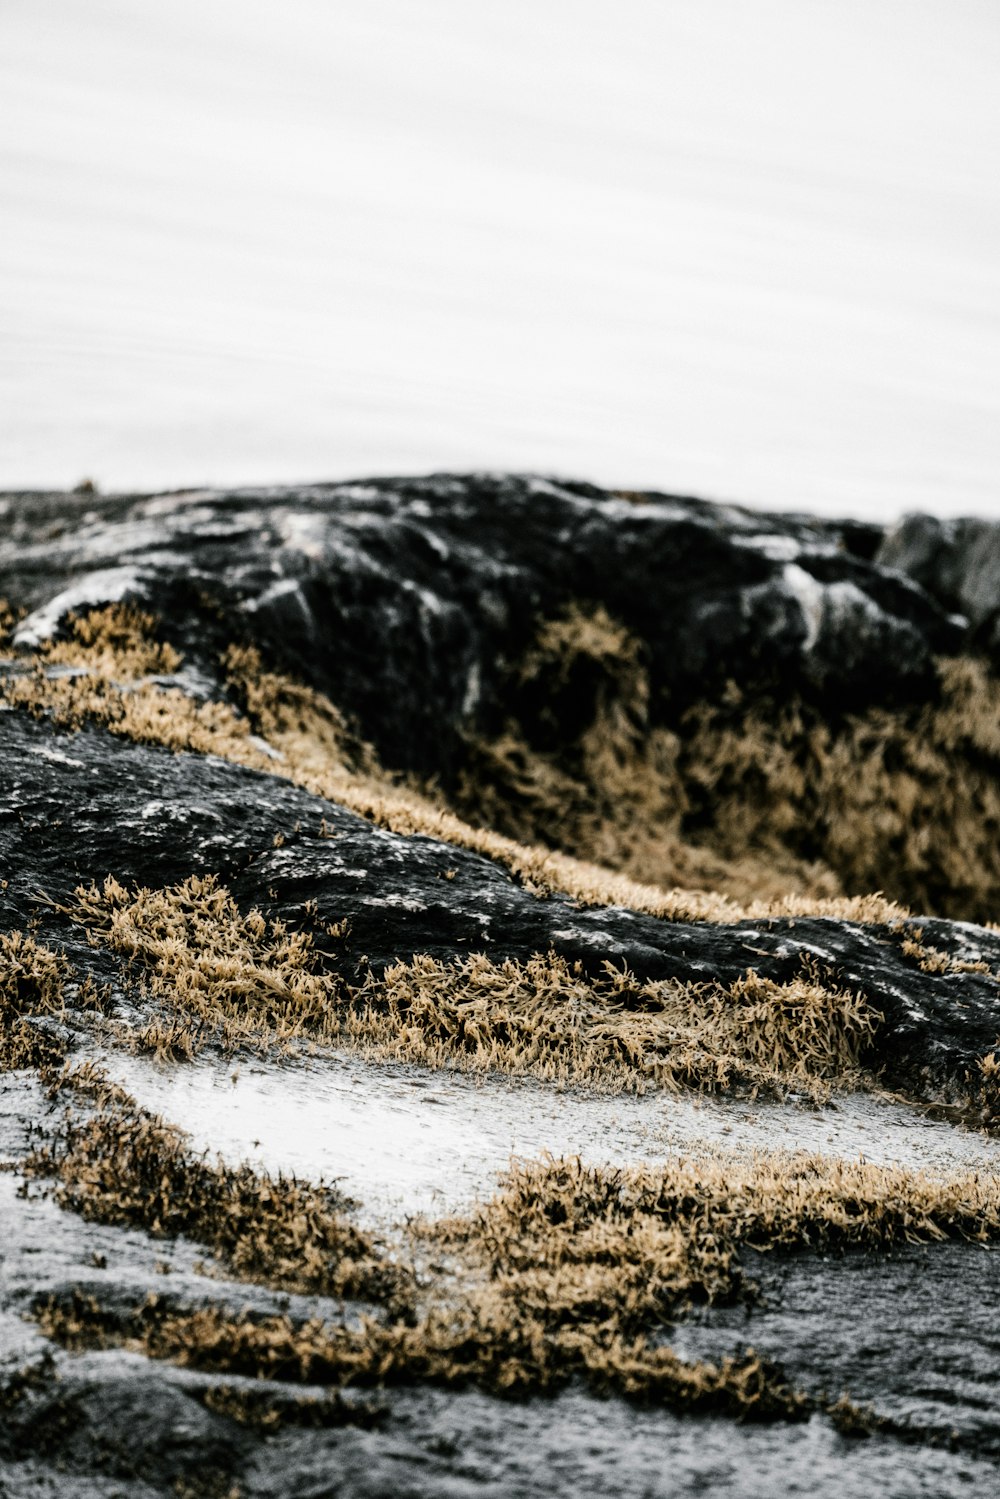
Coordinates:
<point>407,602</point>
<point>958,563</point>
<point>404,599</point>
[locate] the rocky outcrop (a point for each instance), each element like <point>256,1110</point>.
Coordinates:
<point>413,607</point>
<point>958,563</point>
<point>404,600</point>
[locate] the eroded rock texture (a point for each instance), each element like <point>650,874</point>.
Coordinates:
<point>404,599</point>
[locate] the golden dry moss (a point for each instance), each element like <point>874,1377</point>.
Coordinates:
<point>572,1272</point>
<point>240,980</point>
<point>32,983</point>
<point>489,1346</point>
<point>750,800</point>
<point>118,641</point>
<point>247,981</point>
<point>548,1018</point>
<point>743,809</point>
<point>581,765</point>
<point>904,800</point>
<point>558,1209</point>
<point>125,1166</point>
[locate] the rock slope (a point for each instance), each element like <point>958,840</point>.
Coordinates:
<point>496,772</point>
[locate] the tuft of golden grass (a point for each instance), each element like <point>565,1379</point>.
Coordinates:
<point>32,983</point>
<point>118,641</point>
<point>905,799</point>
<point>752,800</point>
<point>548,1018</point>
<point>562,1209</point>
<point>489,1346</point>
<point>574,1272</point>
<point>244,980</point>
<point>123,1165</point>
<point>239,980</point>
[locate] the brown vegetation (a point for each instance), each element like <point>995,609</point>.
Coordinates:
<point>238,980</point>
<point>32,983</point>
<point>113,650</point>
<point>247,981</point>
<point>574,1272</point>
<point>751,799</point>
<point>125,1166</point>
<point>507,1354</point>
<point>546,1017</point>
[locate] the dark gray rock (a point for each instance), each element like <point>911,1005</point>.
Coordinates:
<point>909,1334</point>
<point>405,599</point>
<point>958,563</point>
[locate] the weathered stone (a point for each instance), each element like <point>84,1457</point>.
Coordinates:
<point>404,599</point>
<point>958,563</point>
<point>91,805</point>
<point>408,601</point>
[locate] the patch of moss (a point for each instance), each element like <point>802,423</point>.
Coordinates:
<point>546,1017</point>
<point>237,979</point>
<point>311,745</point>
<point>245,980</point>
<point>751,799</point>
<point>501,1353</point>
<point>32,983</point>
<point>123,1165</point>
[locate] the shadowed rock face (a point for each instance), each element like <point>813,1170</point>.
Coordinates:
<point>407,601</point>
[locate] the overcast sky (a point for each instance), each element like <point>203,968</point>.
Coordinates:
<point>743,248</point>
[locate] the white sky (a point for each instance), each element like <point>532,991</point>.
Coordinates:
<point>744,248</point>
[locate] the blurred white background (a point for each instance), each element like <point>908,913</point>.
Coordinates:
<point>743,248</point>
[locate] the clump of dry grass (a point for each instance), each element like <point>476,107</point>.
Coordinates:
<point>557,1210</point>
<point>752,800</point>
<point>548,1018</point>
<point>118,641</point>
<point>123,1165</point>
<point>573,1272</point>
<point>32,983</point>
<point>242,980</point>
<point>931,959</point>
<point>580,765</point>
<point>493,1348</point>
<point>600,1260</point>
<point>905,800</point>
